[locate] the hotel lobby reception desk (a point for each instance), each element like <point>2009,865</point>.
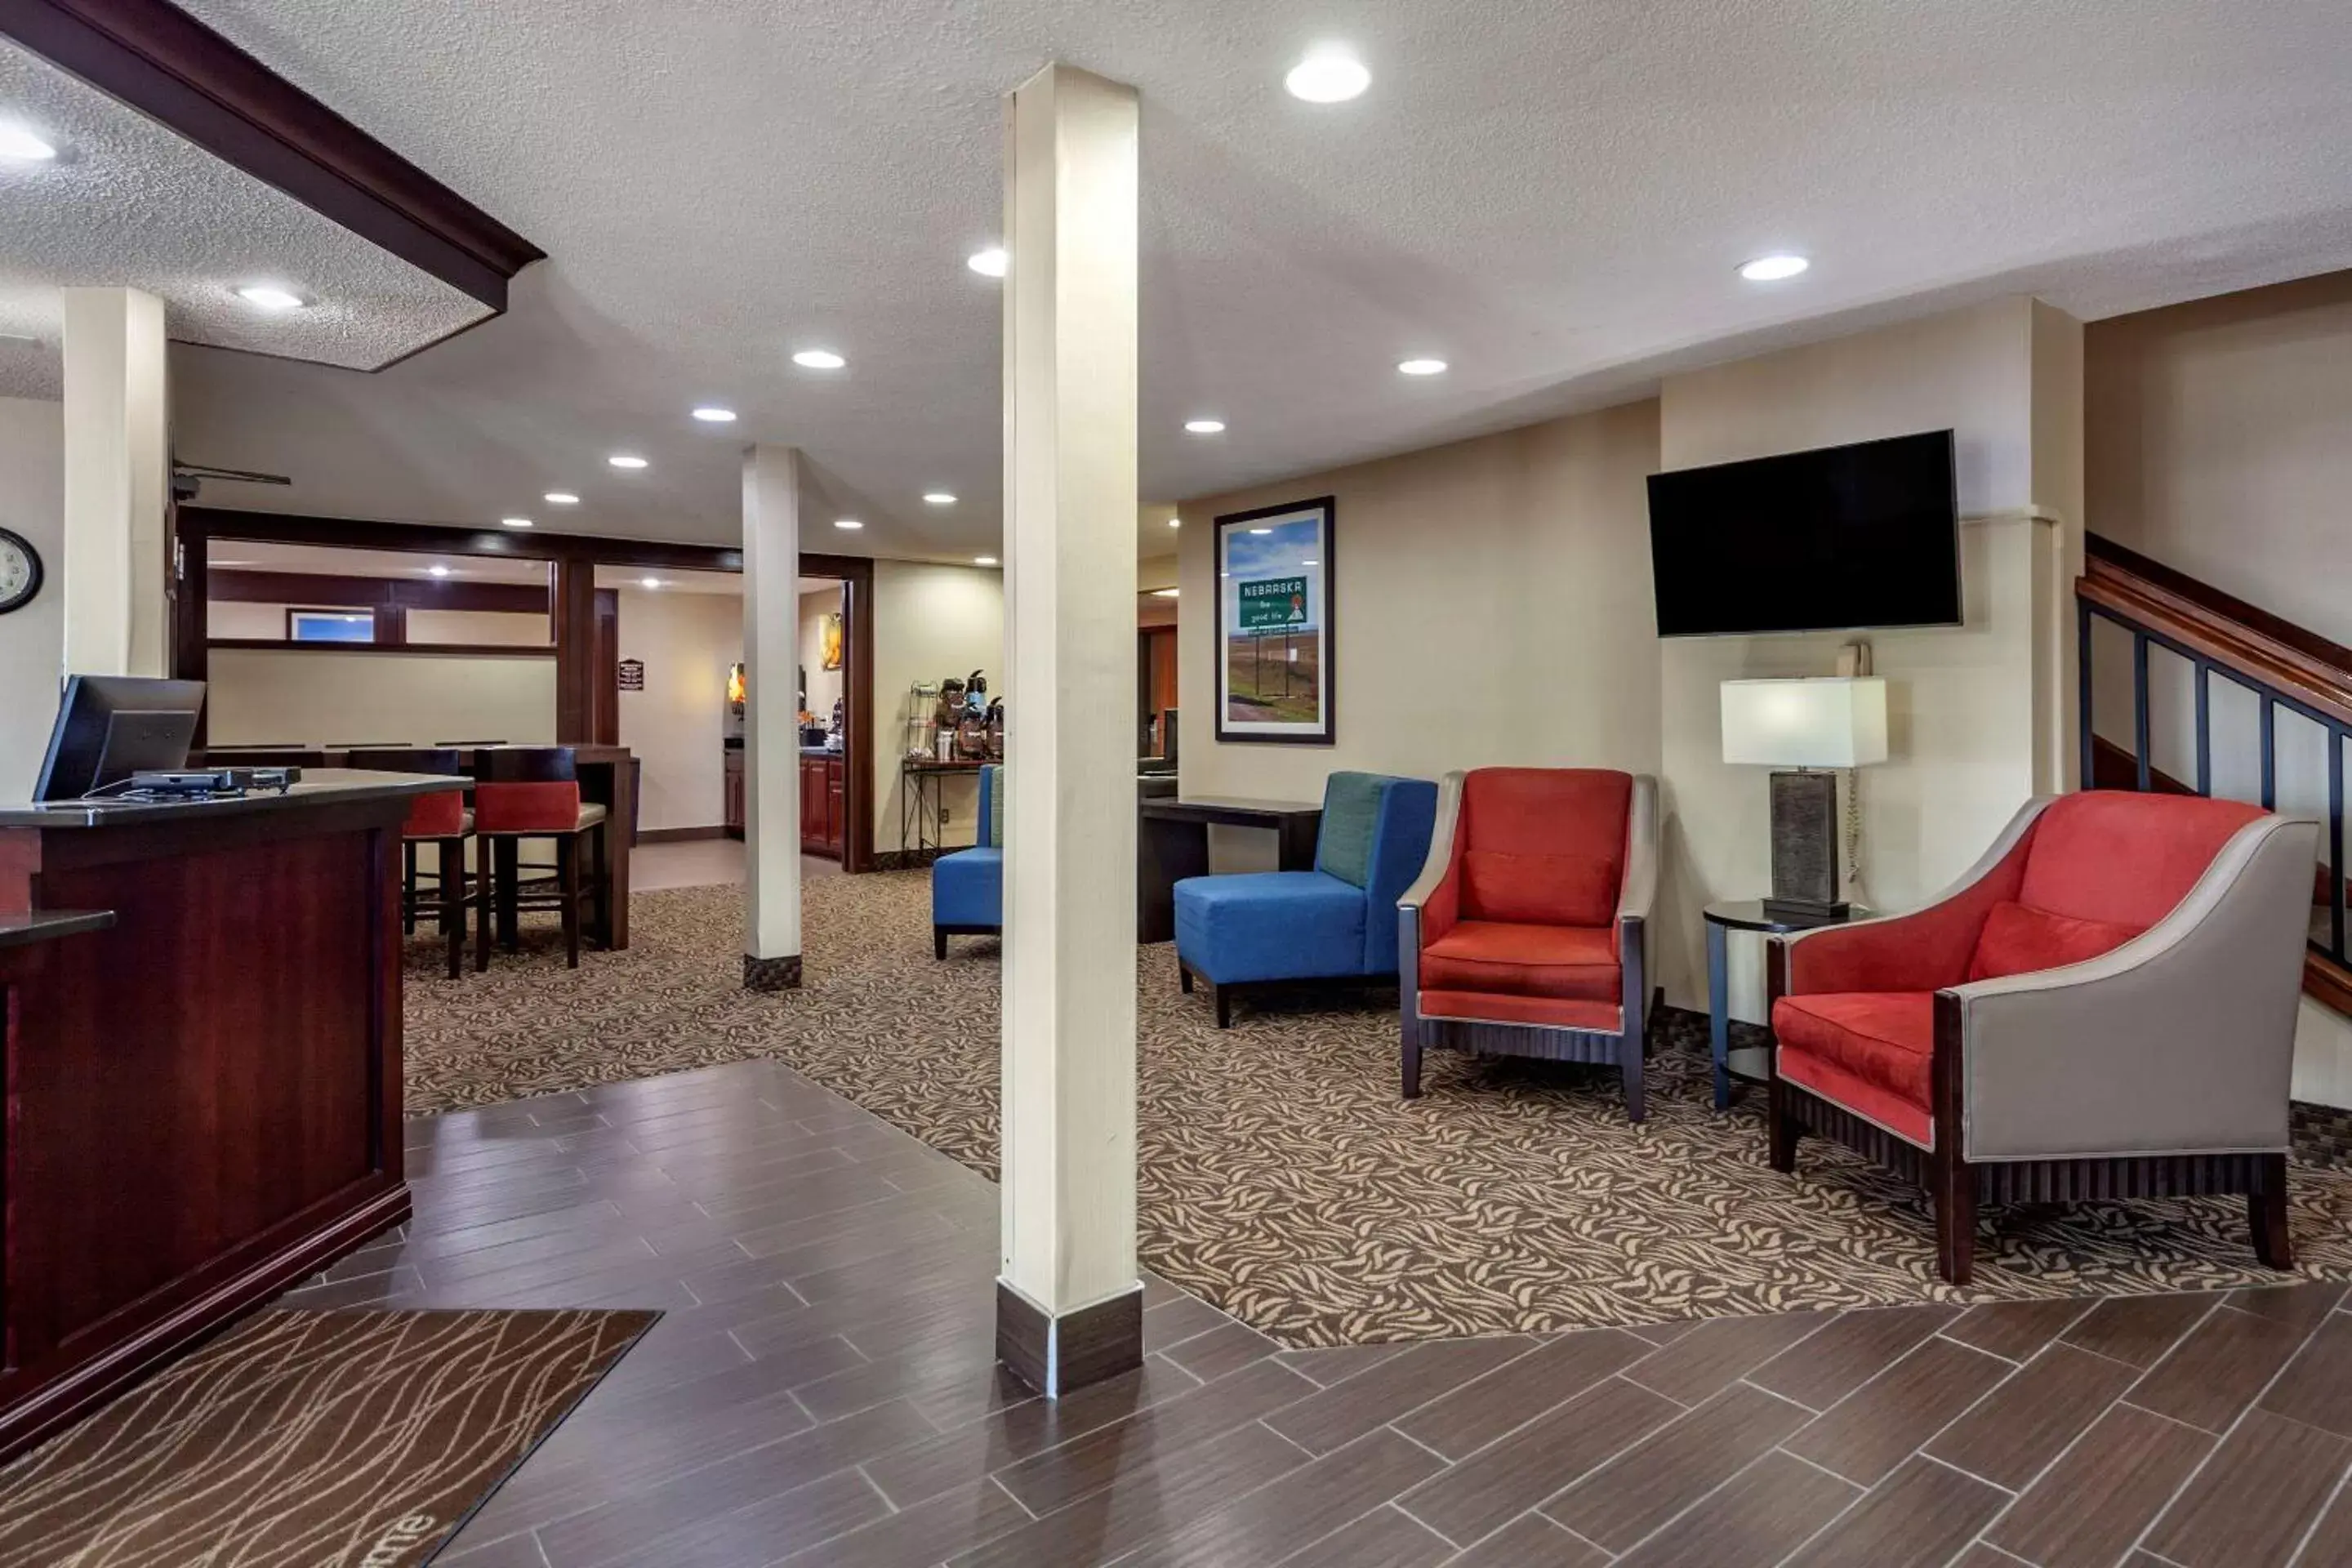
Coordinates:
<point>203,1085</point>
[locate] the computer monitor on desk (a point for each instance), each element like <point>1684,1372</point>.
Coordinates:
<point>111,726</point>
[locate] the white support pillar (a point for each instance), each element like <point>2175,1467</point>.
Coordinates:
<point>1069,1304</point>
<point>771,724</point>
<point>118,484</point>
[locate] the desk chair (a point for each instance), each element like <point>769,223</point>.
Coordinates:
<point>533,792</point>
<point>441,820</point>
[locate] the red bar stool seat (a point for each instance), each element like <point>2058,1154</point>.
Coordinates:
<point>441,820</point>
<point>533,792</point>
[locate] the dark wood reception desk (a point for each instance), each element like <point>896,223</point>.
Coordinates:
<point>203,1008</point>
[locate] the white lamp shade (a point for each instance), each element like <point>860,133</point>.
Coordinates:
<point>1831,722</point>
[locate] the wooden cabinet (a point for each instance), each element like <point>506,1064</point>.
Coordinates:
<point>825,806</point>
<point>736,814</point>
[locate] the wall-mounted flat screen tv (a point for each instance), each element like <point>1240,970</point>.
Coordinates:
<point>1832,539</point>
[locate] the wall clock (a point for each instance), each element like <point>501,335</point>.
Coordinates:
<point>20,572</point>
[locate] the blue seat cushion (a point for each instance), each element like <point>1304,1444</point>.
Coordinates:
<point>968,888</point>
<point>1269,925</point>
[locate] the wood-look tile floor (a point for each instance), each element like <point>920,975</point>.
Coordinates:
<point>821,1391</point>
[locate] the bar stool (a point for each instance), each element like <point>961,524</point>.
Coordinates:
<point>533,792</point>
<point>441,820</point>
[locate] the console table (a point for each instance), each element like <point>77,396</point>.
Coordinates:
<point>1172,844</point>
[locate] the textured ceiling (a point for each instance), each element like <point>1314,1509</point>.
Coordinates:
<point>129,202</point>
<point>1551,196</point>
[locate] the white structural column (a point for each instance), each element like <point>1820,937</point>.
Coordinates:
<point>772,726</point>
<point>1069,1306</point>
<point>116,484</point>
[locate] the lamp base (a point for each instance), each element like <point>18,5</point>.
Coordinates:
<point>1805,847</point>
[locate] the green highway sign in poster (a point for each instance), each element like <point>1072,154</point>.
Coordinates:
<point>1273,603</point>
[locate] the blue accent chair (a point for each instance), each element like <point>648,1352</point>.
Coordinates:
<point>968,887</point>
<point>1337,923</point>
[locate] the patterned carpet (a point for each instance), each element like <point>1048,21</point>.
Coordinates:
<point>1282,1178</point>
<point>307,1440</point>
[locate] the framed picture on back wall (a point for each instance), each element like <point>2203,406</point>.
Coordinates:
<point>1275,623</point>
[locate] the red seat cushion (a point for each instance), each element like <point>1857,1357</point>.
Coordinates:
<point>2019,940</point>
<point>548,807</point>
<point>441,815</point>
<point>1567,963</point>
<point>1543,845</point>
<point>1869,1051</point>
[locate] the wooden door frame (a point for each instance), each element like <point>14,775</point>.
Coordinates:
<point>576,556</point>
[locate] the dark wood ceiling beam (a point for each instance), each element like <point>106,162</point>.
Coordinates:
<point>162,62</point>
<point>343,590</point>
<point>206,522</point>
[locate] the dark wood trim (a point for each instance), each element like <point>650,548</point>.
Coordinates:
<point>2302,664</point>
<point>1060,1356</point>
<point>168,66</point>
<point>240,585</point>
<point>606,718</point>
<point>440,649</point>
<point>201,524</point>
<point>1328,661</point>
<point>575,652</point>
<point>860,738</point>
<point>679,835</point>
<point>390,625</point>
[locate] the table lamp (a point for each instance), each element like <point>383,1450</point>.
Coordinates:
<point>1802,725</point>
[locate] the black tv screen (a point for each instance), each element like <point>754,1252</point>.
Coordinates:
<point>1840,538</point>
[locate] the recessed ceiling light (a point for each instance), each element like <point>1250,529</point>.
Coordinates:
<point>1206,426</point>
<point>514,522</point>
<point>1163,592</point>
<point>1772,269</point>
<point>819,359</point>
<point>989,263</point>
<point>561,497</point>
<point>938,497</point>
<point>437,569</point>
<point>1420,367</point>
<point>20,146</point>
<point>1327,75</point>
<point>846,522</point>
<point>983,560</point>
<point>269,297</point>
<point>715,416</point>
<point>1175,522</point>
<point>624,460</point>
<point>648,582</point>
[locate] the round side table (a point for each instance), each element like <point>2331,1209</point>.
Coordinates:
<point>1753,1064</point>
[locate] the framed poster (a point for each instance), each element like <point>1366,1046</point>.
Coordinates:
<point>1275,623</point>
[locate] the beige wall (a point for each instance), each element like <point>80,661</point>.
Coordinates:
<point>825,686</point>
<point>1493,606</point>
<point>930,622</point>
<point>1972,708</point>
<point>316,696</point>
<point>2218,439</point>
<point>481,626</point>
<point>31,640</point>
<point>677,724</point>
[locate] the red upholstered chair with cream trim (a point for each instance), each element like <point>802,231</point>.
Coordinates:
<point>1527,933</point>
<point>2103,1007</point>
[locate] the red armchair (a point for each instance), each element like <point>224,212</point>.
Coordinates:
<point>2103,1007</point>
<point>1527,932</point>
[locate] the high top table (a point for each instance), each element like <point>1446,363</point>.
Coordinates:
<point>201,1006</point>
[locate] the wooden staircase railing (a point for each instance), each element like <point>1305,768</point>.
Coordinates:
<point>2282,665</point>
